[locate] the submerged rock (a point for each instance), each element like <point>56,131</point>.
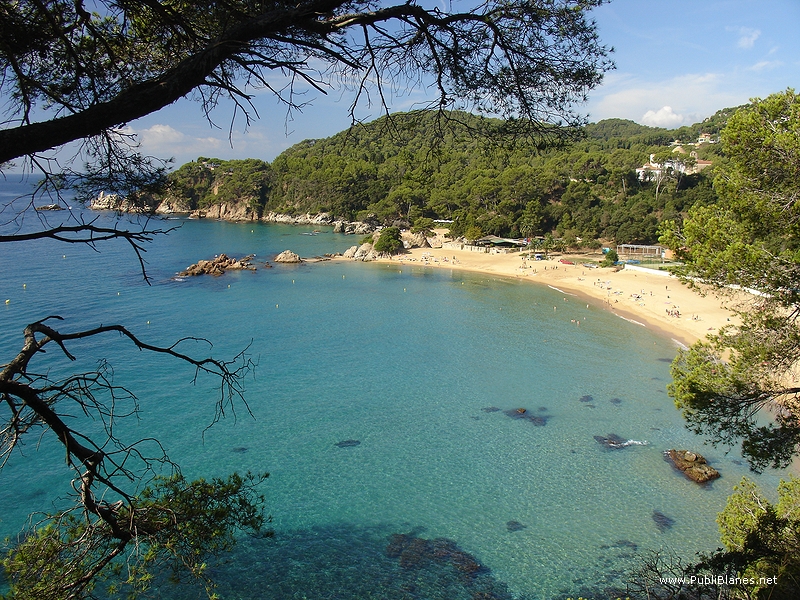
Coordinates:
<point>524,413</point>
<point>693,465</point>
<point>414,552</point>
<point>586,398</point>
<point>490,409</point>
<point>347,443</point>
<point>613,442</point>
<point>662,521</point>
<point>515,526</point>
<point>516,413</point>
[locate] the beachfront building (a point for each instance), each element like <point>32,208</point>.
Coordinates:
<point>490,244</point>
<point>640,252</point>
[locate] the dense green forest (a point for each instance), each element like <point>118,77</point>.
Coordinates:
<point>406,168</point>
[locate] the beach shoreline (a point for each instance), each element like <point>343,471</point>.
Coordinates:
<point>659,302</point>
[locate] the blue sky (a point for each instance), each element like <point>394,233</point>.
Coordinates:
<point>678,61</point>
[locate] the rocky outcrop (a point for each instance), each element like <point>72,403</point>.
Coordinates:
<point>226,211</point>
<point>287,256</point>
<point>106,202</point>
<point>339,225</point>
<point>115,202</point>
<point>218,265</point>
<point>306,219</point>
<point>49,207</point>
<point>172,206</point>
<point>353,227</point>
<point>365,253</point>
<point>416,240</point>
<point>691,464</point>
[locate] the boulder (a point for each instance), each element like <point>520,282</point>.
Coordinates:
<point>218,266</point>
<point>350,252</point>
<point>287,256</point>
<point>692,465</point>
<point>418,240</point>
<point>363,251</point>
<point>436,241</point>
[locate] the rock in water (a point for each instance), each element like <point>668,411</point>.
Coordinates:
<point>515,526</point>
<point>691,464</point>
<point>218,265</point>
<point>347,443</point>
<point>287,256</point>
<point>517,413</point>
<point>662,521</point>
<point>612,441</point>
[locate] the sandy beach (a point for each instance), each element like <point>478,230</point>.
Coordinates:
<point>658,302</point>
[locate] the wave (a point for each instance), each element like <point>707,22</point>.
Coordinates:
<point>631,321</point>
<point>560,291</point>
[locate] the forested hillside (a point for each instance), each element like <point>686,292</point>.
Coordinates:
<point>405,168</point>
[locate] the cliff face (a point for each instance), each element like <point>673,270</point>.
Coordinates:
<point>170,206</point>
<point>227,211</point>
<point>241,211</point>
<point>119,204</point>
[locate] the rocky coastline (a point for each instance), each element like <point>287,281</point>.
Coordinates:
<point>230,211</point>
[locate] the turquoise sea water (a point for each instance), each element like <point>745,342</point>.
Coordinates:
<point>406,360</point>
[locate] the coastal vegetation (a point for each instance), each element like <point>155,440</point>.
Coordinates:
<point>402,170</point>
<point>75,75</point>
<point>749,238</point>
<point>738,386</point>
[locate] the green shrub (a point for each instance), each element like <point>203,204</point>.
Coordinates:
<point>611,258</point>
<point>389,241</point>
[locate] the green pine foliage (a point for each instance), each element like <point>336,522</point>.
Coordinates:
<point>399,169</point>
<point>181,528</point>
<point>389,241</point>
<point>395,169</point>
<point>208,181</point>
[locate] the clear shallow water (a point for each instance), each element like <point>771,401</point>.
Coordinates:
<point>404,360</point>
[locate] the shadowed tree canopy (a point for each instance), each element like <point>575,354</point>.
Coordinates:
<point>741,384</point>
<point>78,72</point>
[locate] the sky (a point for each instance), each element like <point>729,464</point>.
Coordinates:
<point>677,62</point>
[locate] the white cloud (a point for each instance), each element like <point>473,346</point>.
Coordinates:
<point>684,100</point>
<point>663,117</point>
<point>165,141</point>
<point>159,135</point>
<point>747,36</point>
<point>765,65</point>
